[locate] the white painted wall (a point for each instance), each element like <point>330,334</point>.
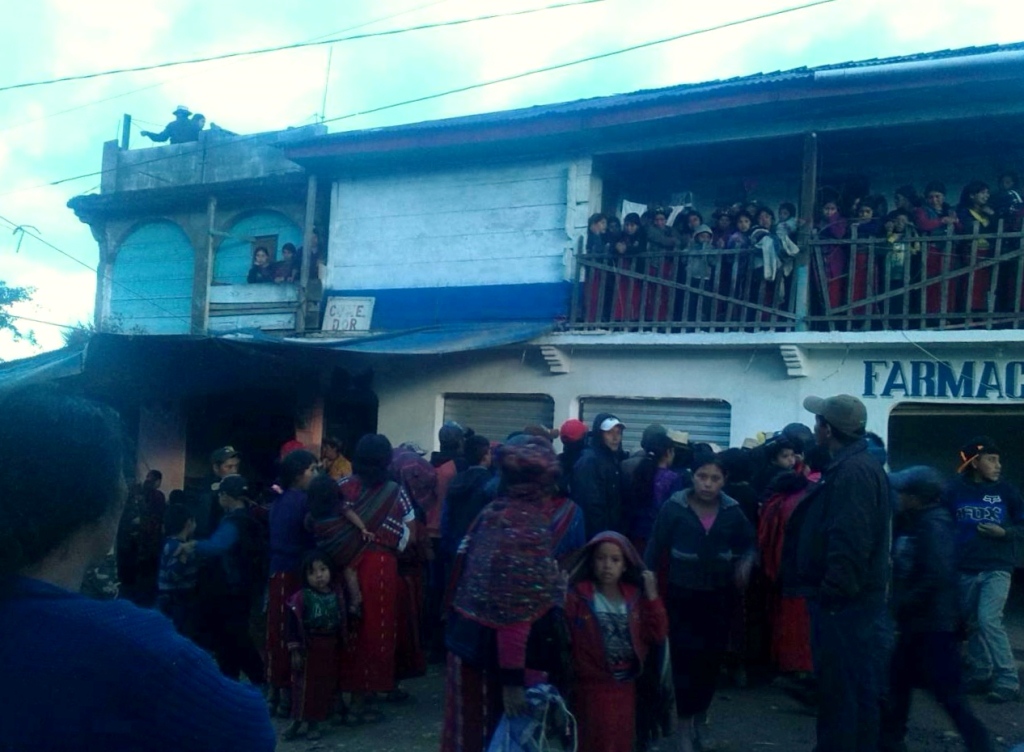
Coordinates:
<point>481,225</point>
<point>753,379</point>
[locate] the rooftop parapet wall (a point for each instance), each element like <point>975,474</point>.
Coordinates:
<point>217,157</point>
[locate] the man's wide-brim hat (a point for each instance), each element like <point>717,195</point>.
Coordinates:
<point>182,108</point>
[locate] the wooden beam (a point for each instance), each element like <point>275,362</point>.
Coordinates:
<point>203,276</point>
<point>808,199</point>
<point>307,245</point>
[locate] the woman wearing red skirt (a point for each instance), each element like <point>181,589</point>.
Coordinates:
<point>289,542</point>
<point>384,509</point>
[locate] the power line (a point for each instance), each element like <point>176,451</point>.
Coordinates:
<point>5,314</point>
<point>294,46</point>
<point>580,61</point>
<point>79,261</point>
<point>84,105</point>
<point>469,87</point>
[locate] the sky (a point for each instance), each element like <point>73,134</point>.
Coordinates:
<point>57,131</point>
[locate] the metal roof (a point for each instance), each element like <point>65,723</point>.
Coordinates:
<point>666,94</point>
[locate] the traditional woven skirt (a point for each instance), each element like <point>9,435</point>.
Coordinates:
<point>472,707</point>
<point>605,715</point>
<point>368,659</point>
<point>279,668</point>
<point>315,686</point>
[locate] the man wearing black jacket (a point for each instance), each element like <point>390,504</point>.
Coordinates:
<point>597,478</point>
<point>843,565</point>
<point>925,602</point>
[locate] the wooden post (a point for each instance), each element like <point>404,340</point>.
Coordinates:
<point>203,277</point>
<point>307,243</point>
<point>808,199</point>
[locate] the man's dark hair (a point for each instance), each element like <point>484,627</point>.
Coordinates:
<point>334,443</point>
<point>294,465</point>
<point>175,519</point>
<point>322,496</point>
<point>41,509</point>
<point>477,447</point>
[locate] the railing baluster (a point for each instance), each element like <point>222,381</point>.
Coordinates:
<point>993,292</point>
<point>972,278</point>
<point>577,270</point>
<point>870,285</point>
<point>947,259</point>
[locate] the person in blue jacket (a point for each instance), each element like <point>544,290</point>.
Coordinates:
<point>76,673</point>
<point>989,516</point>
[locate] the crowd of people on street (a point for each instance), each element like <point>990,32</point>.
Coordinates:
<point>622,587</point>
<point>746,251</point>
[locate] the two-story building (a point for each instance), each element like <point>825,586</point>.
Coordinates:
<point>456,283</point>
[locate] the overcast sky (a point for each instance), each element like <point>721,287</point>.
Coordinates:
<point>52,38</point>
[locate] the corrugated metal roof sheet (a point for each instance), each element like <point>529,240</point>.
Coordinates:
<point>645,96</point>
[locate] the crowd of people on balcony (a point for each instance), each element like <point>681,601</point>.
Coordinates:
<point>746,253</point>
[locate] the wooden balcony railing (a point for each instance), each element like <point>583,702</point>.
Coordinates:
<point>951,281</point>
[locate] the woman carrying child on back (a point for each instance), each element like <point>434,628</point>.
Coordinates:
<point>316,631</point>
<point>614,616</point>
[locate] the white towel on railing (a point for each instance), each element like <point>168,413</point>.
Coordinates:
<point>629,207</point>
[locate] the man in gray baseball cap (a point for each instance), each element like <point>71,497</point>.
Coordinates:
<point>843,565</point>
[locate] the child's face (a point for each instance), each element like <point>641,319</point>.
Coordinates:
<point>764,219</point>
<point>724,222</point>
<point>609,564</point>
<point>829,210</point>
<point>599,227</point>
<point>286,253</point>
<point>786,459</point>
<point>693,221</point>
<point>981,197</point>
<point>784,214</point>
<point>703,237</point>
<point>620,246</point>
<point>660,220</point>
<point>988,467</point>
<point>319,576</point>
<point>901,221</point>
<point>1006,182</point>
<point>743,223</point>
<point>707,482</point>
<point>631,228</point>
<point>935,199</point>
<point>866,212</point>
<point>261,258</point>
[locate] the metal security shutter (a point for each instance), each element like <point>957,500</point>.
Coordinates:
<point>704,420</point>
<point>497,415</point>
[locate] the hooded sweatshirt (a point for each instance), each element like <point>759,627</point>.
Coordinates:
<point>971,504</point>
<point>597,483</point>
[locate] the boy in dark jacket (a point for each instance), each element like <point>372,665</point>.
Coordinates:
<point>597,478</point>
<point>989,515</point>
<point>925,602</point>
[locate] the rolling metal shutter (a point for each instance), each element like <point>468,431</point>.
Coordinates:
<point>497,415</point>
<point>704,420</point>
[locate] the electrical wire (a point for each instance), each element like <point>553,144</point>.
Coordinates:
<point>294,46</point>
<point>580,61</point>
<point>469,87</point>
<point>84,105</point>
<point>79,261</point>
<point>6,314</point>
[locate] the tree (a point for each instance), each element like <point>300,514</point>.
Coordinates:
<point>8,297</point>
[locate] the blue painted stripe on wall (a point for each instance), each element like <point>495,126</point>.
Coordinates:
<point>408,308</point>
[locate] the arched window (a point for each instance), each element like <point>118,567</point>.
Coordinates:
<point>151,288</point>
